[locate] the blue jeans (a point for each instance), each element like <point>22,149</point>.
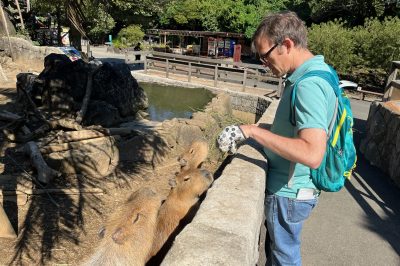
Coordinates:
<point>285,218</point>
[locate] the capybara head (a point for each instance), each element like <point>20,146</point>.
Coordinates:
<point>194,156</point>
<point>194,182</point>
<point>134,218</point>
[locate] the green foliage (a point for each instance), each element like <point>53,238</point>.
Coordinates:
<point>241,16</point>
<point>100,23</point>
<point>335,42</point>
<point>353,11</point>
<point>361,50</point>
<point>378,42</point>
<point>129,36</point>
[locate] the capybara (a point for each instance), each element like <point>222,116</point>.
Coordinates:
<point>180,200</point>
<point>127,236</point>
<point>194,156</point>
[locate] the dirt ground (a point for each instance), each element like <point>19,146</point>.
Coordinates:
<point>62,228</point>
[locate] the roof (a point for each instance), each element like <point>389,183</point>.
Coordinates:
<point>195,33</point>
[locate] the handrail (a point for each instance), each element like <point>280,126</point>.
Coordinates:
<point>215,69</point>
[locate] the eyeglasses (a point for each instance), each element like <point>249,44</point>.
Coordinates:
<point>264,57</point>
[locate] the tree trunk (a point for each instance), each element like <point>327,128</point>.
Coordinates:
<point>20,15</point>
<point>45,173</point>
<point>6,29</point>
<point>75,37</point>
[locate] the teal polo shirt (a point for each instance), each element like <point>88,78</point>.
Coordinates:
<point>314,103</point>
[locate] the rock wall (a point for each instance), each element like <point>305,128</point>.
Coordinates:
<point>381,146</point>
<point>24,50</point>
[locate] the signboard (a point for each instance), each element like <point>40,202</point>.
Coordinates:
<point>237,53</point>
<point>212,46</point>
<point>71,52</point>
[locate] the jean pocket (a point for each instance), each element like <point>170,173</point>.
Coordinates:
<point>299,210</point>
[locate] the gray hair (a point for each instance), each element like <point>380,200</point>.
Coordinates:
<point>278,26</point>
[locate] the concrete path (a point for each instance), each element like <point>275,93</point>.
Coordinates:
<point>360,225</point>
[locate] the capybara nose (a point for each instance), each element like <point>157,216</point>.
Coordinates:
<point>207,175</point>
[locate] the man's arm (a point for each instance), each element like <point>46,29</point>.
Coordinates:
<point>308,148</point>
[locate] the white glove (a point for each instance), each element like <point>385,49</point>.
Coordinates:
<point>229,138</point>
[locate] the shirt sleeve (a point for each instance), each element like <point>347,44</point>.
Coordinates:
<point>311,104</point>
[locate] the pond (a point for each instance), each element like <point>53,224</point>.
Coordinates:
<point>167,102</point>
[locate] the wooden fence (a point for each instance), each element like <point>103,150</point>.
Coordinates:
<point>246,75</point>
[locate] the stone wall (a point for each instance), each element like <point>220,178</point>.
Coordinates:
<point>24,50</point>
<point>226,229</point>
<point>381,146</point>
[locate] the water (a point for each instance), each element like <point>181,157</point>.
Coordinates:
<point>167,102</point>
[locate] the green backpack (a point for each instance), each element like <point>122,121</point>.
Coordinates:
<point>340,156</point>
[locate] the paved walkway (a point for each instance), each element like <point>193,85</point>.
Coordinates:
<point>360,225</point>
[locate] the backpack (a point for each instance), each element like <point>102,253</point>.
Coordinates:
<point>340,156</point>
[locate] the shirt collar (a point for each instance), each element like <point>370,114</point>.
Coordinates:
<point>303,68</point>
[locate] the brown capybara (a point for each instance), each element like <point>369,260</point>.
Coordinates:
<point>194,156</point>
<point>180,200</point>
<point>127,236</point>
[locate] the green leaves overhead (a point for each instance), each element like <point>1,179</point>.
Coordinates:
<point>241,16</point>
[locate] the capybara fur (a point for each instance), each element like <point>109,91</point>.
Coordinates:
<point>180,200</point>
<point>127,236</point>
<point>194,156</point>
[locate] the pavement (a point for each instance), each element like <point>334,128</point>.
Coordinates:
<point>359,225</point>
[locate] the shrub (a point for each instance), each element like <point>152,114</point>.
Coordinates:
<point>335,42</point>
<point>129,36</point>
<point>378,42</point>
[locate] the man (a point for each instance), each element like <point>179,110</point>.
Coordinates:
<point>281,42</point>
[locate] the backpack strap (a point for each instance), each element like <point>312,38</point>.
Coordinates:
<point>333,81</point>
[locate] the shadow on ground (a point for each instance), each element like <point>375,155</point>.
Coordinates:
<point>378,187</point>
<point>52,220</point>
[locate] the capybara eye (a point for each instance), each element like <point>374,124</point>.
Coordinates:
<point>136,218</point>
<point>102,232</point>
<point>186,178</point>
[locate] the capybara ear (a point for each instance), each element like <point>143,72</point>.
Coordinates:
<point>102,232</point>
<point>118,236</point>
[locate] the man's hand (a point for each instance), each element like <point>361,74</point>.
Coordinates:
<point>229,138</point>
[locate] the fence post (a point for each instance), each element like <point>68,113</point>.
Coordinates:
<point>257,77</point>
<point>244,78</point>
<point>167,68</point>
<point>190,72</point>
<point>215,76</point>
<point>145,63</point>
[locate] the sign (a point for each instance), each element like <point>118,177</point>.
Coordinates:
<point>237,53</point>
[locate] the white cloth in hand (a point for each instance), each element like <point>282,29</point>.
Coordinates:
<point>229,139</point>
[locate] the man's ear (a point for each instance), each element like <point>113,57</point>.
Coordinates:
<point>288,44</point>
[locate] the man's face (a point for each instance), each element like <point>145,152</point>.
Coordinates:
<point>272,56</point>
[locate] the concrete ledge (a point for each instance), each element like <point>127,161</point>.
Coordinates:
<point>226,229</point>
